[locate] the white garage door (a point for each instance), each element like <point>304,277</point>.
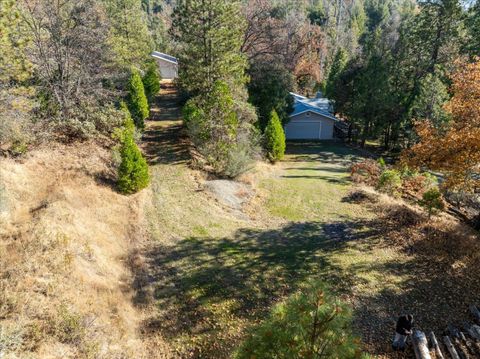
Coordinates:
<point>302,130</point>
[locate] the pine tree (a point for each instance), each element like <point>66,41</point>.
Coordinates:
<point>137,101</point>
<point>472,24</point>
<point>133,173</point>
<point>336,69</point>
<point>210,33</point>
<point>219,120</point>
<point>269,89</point>
<point>429,103</point>
<point>151,81</point>
<point>128,33</point>
<point>310,322</point>
<point>274,138</point>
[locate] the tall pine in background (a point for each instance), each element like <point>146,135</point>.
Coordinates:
<point>212,72</point>
<point>210,35</point>
<point>128,33</point>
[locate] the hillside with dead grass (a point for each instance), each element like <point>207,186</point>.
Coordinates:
<point>64,237</point>
<point>188,266</point>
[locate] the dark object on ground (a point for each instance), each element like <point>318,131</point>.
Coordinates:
<point>404,325</point>
<point>402,331</point>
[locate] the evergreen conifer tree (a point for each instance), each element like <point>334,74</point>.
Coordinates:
<point>337,67</point>
<point>274,138</point>
<point>137,101</point>
<point>133,173</point>
<point>211,34</point>
<point>128,32</point>
<point>151,81</point>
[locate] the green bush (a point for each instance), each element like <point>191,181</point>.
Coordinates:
<point>133,170</point>
<point>381,163</point>
<point>151,81</point>
<point>137,101</point>
<point>390,181</point>
<point>274,138</point>
<point>241,156</point>
<point>432,201</point>
<point>308,323</point>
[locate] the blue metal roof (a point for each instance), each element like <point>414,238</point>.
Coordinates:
<point>161,55</point>
<point>319,105</point>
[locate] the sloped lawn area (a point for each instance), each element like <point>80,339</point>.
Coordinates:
<point>224,275</point>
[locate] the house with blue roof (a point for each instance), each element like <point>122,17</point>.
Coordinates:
<point>311,119</point>
<point>167,64</point>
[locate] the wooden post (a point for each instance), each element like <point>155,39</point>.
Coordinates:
<point>476,330</point>
<point>475,312</point>
<point>436,347</point>
<point>420,345</point>
<point>471,331</point>
<point>450,347</point>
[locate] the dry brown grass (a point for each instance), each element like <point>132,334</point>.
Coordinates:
<point>405,221</point>
<point>64,235</point>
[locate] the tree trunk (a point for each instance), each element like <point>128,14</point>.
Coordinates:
<point>475,312</point>
<point>451,348</point>
<point>420,345</point>
<point>436,347</point>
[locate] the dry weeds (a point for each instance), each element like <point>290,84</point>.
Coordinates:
<point>64,235</point>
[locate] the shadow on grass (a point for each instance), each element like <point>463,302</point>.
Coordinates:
<point>330,179</point>
<point>165,145</point>
<point>209,290</point>
<point>164,141</point>
<point>204,286</point>
<point>322,151</point>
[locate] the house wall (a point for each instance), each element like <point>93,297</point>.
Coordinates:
<point>313,126</point>
<point>168,70</point>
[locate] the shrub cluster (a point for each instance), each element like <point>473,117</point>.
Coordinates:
<point>308,323</point>
<point>390,182</point>
<point>421,187</point>
<point>220,129</point>
<point>366,172</point>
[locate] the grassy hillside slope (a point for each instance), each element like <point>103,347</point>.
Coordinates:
<point>64,238</point>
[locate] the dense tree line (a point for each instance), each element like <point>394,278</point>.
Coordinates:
<point>384,64</point>
<point>403,71</point>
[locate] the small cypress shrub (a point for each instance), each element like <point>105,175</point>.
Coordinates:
<point>133,173</point>
<point>151,81</point>
<point>137,101</point>
<point>274,138</point>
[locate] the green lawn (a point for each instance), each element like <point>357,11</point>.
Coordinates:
<point>214,275</point>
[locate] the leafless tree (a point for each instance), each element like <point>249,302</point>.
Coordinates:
<point>70,50</point>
